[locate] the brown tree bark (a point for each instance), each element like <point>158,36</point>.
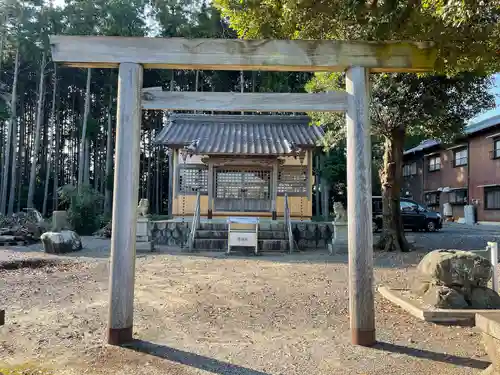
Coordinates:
<point>149,161</point>
<point>393,236</point>
<point>39,119</point>
<point>82,162</point>
<point>10,140</point>
<point>49,146</point>
<point>109,157</point>
<point>22,151</point>
<point>57,135</point>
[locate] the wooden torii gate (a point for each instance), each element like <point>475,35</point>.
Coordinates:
<point>131,55</point>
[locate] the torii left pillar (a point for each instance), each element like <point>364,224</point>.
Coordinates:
<point>125,195</point>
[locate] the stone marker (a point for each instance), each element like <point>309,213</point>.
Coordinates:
<point>60,221</point>
<point>61,242</point>
<point>455,279</point>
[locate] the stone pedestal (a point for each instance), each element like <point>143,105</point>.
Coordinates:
<point>143,234</point>
<point>339,241</point>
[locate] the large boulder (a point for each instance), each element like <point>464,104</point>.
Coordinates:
<point>455,279</point>
<point>444,298</point>
<point>460,269</point>
<point>484,298</point>
<point>61,242</point>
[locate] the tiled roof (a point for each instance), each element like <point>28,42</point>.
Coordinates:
<point>428,143</point>
<point>483,124</point>
<point>240,134</point>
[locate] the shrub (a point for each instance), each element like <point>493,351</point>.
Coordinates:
<point>84,208</point>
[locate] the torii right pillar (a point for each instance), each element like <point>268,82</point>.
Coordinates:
<point>359,208</point>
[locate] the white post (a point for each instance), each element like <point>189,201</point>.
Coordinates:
<point>359,208</point>
<point>494,261</point>
<point>125,195</point>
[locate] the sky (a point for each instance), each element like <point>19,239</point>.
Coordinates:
<point>495,90</point>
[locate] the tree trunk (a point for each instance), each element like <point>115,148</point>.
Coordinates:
<point>393,236</point>
<point>82,162</point>
<point>196,84</point>
<point>13,170</point>
<point>242,85</point>
<point>39,119</point>
<point>109,156</point>
<point>102,162</point>
<point>49,144</point>
<point>9,142</point>
<point>22,152</point>
<point>2,42</point>
<point>86,171</point>
<point>325,199</point>
<point>56,150</point>
<point>149,161</point>
<point>317,182</point>
<point>157,179</point>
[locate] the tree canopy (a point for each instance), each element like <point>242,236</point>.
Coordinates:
<point>466,33</point>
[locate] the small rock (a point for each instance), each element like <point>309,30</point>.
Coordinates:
<point>444,298</point>
<point>484,298</point>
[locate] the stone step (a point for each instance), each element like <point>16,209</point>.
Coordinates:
<point>263,235</point>
<point>221,245</point>
<point>270,226</point>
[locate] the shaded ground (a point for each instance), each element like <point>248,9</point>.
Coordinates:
<point>208,314</point>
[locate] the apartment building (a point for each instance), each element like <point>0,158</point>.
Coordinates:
<point>466,172</point>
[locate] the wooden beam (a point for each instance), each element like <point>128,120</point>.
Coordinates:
<point>250,102</point>
<point>235,54</point>
<point>359,208</point>
<point>125,196</point>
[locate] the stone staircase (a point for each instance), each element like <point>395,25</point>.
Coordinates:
<point>272,237</point>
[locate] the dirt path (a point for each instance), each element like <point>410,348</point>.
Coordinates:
<point>208,314</point>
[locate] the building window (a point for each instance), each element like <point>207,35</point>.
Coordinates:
<point>434,163</point>
<point>458,196</point>
<point>292,180</point>
<point>193,179</point>
<point>410,169</point>
<point>492,198</point>
<point>496,149</point>
<point>432,199</point>
<point>460,157</point>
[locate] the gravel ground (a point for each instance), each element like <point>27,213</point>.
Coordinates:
<point>209,314</point>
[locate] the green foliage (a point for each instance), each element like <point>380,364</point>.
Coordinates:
<point>466,33</point>
<point>84,208</point>
<point>424,106</point>
<point>160,217</point>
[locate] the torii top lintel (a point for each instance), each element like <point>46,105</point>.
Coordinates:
<point>235,54</point>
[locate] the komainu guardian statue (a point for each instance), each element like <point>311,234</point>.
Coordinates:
<point>340,212</point>
<point>143,208</point>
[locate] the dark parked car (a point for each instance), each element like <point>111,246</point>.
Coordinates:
<point>415,216</point>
